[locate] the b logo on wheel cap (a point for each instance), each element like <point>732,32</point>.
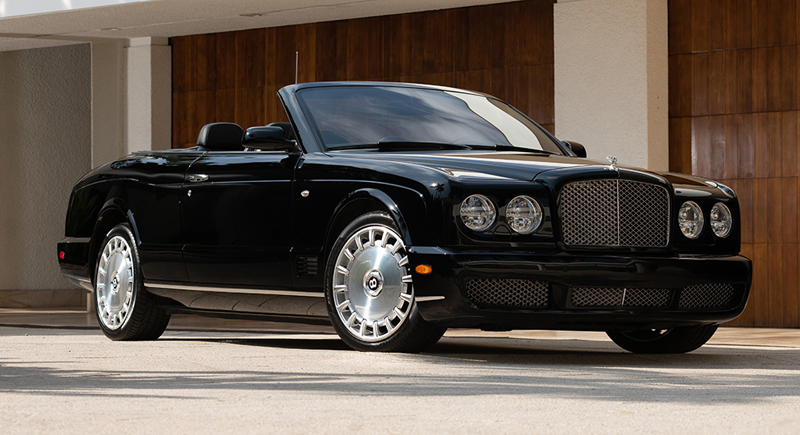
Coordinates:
<point>373,283</point>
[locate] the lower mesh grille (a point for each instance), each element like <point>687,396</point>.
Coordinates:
<point>620,297</point>
<point>507,293</point>
<point>645,297</point>
<point>706,296</point>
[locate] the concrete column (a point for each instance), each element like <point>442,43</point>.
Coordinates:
<point>108,101</point>
<point>45,135</point>
<point>149,95</point>
<point>611,82</point>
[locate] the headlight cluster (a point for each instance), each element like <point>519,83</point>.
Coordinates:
<point>692,222</point>
<point>523,213</point>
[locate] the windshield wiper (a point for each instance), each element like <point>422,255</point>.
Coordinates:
<point>502,147</point>
<point>402,145</point>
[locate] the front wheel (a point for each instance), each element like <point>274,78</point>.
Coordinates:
<point>370,292</point>
<point>125,311</point>
<point>680,339</point>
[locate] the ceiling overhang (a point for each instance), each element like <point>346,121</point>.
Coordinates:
<point>168,18</point>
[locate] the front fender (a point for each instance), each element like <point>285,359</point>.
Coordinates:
<point>402,202</point>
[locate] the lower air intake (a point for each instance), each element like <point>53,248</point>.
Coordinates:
<point>706,296</point>
<point>507,293</point>
<point>615,297</point>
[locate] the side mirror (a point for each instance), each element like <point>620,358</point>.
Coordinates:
<point>267,139</point>
<point>576,148</point>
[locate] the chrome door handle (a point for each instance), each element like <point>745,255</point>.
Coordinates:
<point>197,178</point>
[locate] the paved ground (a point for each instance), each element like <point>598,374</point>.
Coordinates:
<point>74,380</point>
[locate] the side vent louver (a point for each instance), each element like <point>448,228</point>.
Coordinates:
<point>307,266</point>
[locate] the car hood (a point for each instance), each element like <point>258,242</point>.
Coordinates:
<point>489,165</point>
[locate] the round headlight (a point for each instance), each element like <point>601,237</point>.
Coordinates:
<point>721,220</point>
<point>477,212</point>
<point>690,219</point>
<point>524,214</point>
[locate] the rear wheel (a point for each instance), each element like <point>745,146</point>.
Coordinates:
<point>125,311</point>
<point>370,289</point>
<point>680,339</point>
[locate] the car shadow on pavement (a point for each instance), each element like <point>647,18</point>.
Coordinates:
<point>456,366</point>
<point>500,351</point>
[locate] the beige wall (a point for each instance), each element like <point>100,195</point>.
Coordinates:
<point>611,79</point>
<point>45,146</point>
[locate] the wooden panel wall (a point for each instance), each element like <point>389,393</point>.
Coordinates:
<point>733,108</point>
<point>505,50</point>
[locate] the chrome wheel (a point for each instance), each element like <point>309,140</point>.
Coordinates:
<point>373,292</point>
<point>115,283</point>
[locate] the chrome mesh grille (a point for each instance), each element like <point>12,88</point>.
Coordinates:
<point>706,296</point>
<point>647,297</point>
<point>507,293</point>
<point>614,213</point>
<point>620,297</point>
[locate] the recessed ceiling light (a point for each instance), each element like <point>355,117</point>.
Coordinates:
<point>252,15</point>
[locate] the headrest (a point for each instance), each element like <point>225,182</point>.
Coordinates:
<point>221,136</point>
<point>288,131</point>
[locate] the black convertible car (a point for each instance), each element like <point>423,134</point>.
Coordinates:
<point>395,211</point>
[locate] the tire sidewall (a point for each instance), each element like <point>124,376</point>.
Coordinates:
<point>365,220</point>
<point>124,231</point>
<point>679,339</point>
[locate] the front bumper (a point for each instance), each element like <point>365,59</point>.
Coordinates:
<point>446,300</point>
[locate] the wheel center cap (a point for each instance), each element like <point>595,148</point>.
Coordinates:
<point>373,283</point>
<point>115,284</point>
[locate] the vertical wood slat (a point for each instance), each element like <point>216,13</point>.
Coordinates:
<point>759,296</point>
<point>790,290</point>
<point>679,26</point>
<point>774,299</point>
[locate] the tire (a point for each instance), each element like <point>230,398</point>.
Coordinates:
<point>680,339</point>
<point>369,289</point>
<point>132,314</point>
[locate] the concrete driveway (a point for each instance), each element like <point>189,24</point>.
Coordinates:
<point>70,381</point>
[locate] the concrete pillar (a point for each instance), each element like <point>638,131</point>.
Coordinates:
<point>108,101</point>
<point>45,132</point>
<point>149,94</point>
<point>611,81</point>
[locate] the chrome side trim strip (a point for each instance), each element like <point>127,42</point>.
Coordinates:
<point>80,281</point>
<point>252,291</point>
<point>430,298</point>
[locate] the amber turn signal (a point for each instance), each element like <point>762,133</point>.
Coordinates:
<point>423,269</point>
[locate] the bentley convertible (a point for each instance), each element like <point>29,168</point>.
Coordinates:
<point>395,211</point>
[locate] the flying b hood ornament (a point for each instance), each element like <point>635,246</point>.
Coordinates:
<point>613,163</point>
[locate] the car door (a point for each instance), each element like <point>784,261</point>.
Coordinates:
<point>236,217</point>
<point>150,186</point>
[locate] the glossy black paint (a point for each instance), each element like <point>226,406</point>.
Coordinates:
<point>261,218</point>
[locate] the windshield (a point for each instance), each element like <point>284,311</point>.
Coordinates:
<point>349,117</point>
